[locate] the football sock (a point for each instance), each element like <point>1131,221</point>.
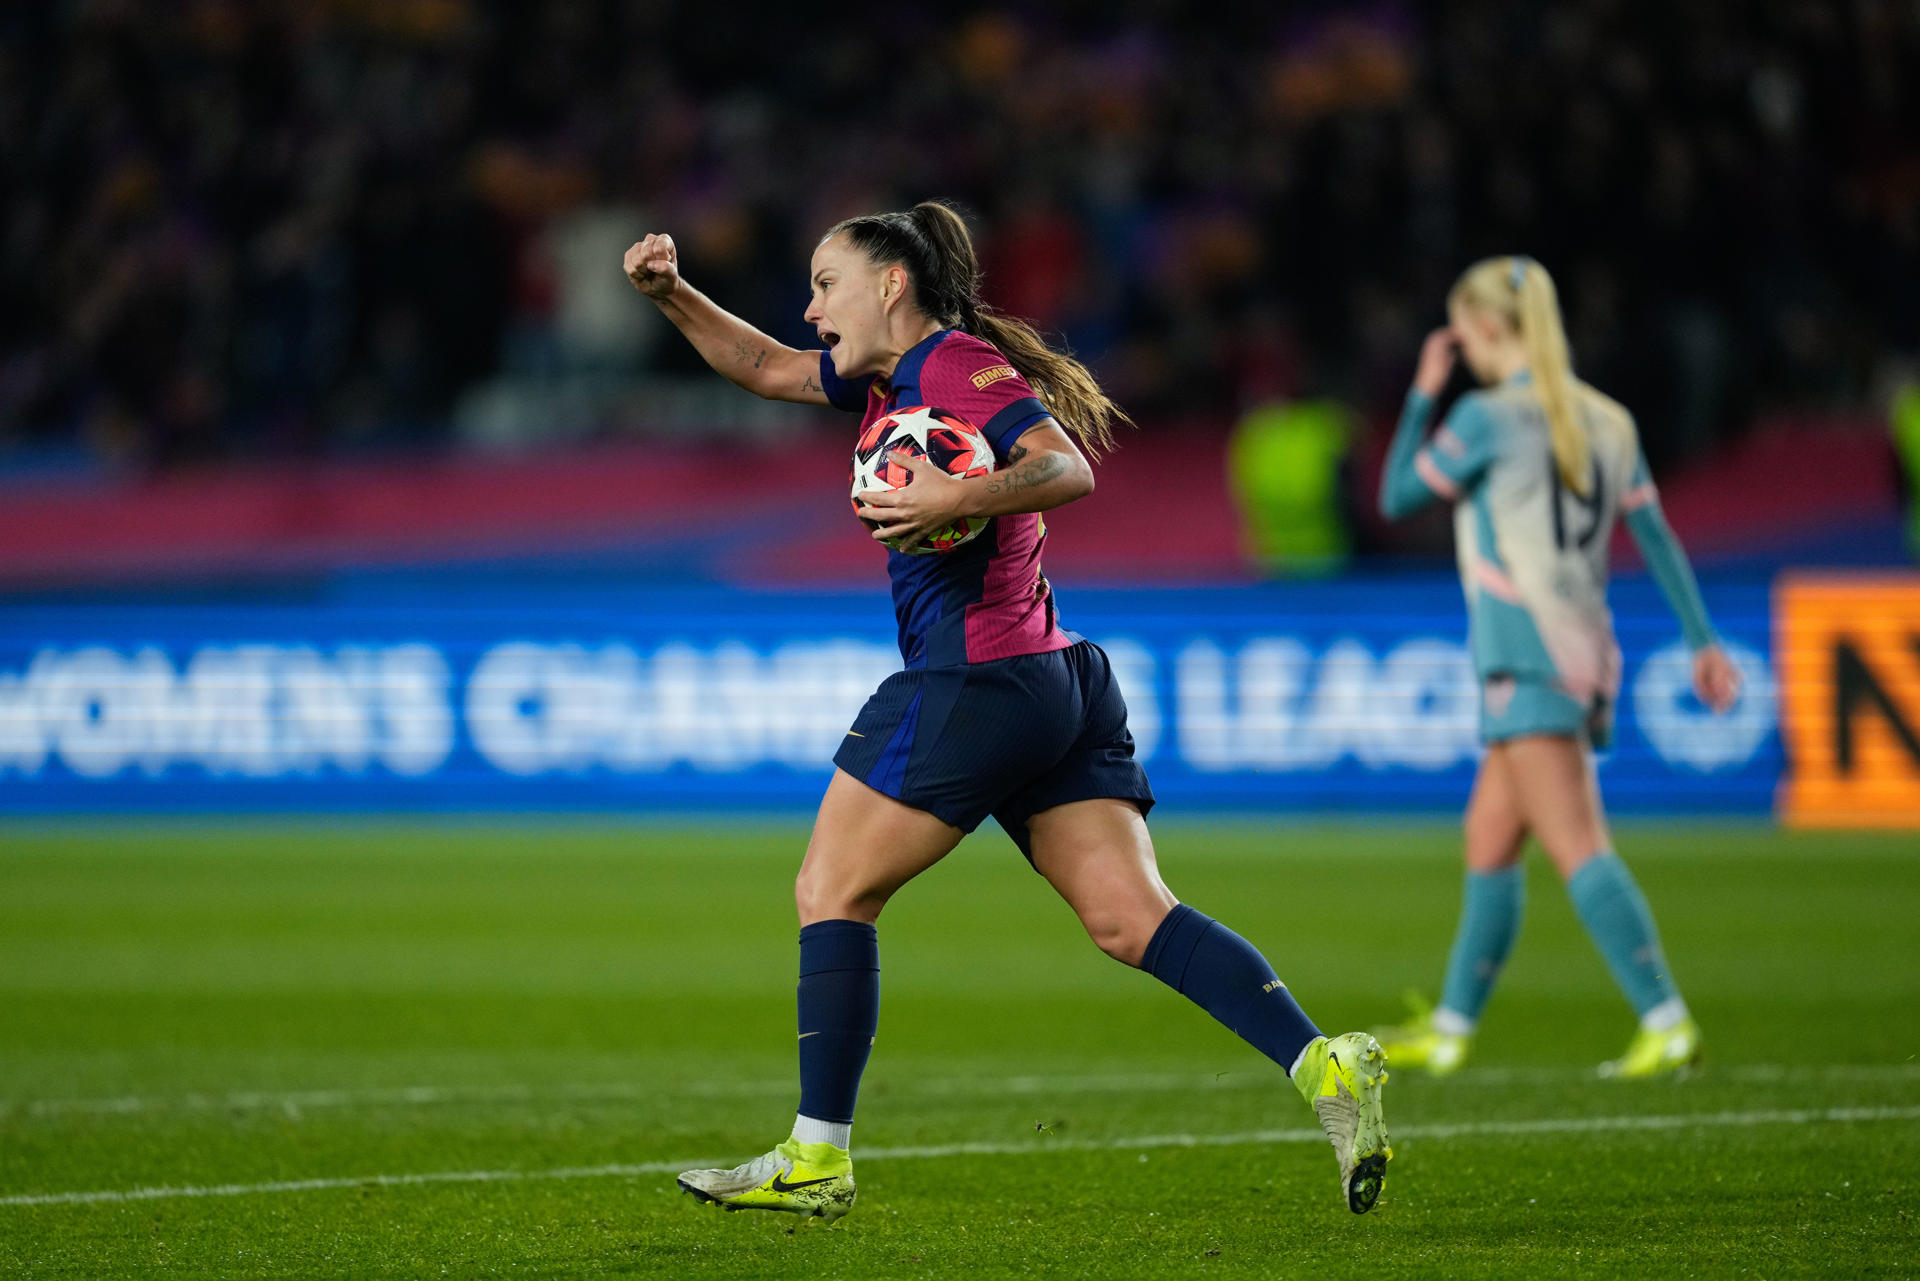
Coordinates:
<point>839,1014</point>
<point>1615,913</point>
<point>1490,907</point>
<point>807,1129</point>
<point>1227,977</point>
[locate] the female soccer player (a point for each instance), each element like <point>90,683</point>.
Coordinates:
<point>998,711</point>
<point>1537,466</point>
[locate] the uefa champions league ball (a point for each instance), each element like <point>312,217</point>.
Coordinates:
<point>955,446</point>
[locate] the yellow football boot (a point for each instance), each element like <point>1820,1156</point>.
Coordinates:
<point>812,1179</point>
<point>1417,1043</point>
<point>1660,1053</point>
<point>1342,1077</point>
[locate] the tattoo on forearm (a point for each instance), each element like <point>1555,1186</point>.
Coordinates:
<point>743,353</point>
<point>761,357</point>
<point>1028,474</point>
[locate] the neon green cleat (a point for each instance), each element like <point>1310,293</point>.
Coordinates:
<point>812,1179</point>
<point>1341,1078</point>
<point>1417,1043</point>
<point>1660,1053</point>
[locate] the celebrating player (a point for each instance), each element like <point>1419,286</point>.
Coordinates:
<point>998,711</point>
<point>1537,466</point>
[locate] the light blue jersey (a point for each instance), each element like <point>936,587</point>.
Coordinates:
<point>1533,553</point>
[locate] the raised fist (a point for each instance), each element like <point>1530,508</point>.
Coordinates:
<point>653,265</point>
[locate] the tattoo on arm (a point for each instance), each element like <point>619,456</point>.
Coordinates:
<point>742,351</point>
<point>1030,474</point>
<point>811,385</point>
<point>760,358</point>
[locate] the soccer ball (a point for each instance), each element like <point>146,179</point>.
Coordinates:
<point>953,443</point>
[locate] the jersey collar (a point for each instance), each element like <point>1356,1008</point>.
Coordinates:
<point>906,371</point>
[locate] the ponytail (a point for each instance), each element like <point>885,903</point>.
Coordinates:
<point>932,242</point>
<point>1520,291</point>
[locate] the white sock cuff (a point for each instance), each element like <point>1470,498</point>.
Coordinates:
<point>1300,1058</point>
<point>808,1130</point>
<point>1451,1022</point>
<point>1670,1013</point>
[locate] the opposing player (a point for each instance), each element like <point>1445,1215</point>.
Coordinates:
<point>998,711</point>
<point>1538,466</point>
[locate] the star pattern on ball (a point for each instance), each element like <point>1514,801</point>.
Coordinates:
<point>915,426</point>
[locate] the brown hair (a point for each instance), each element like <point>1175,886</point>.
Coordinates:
<point>931,241</point>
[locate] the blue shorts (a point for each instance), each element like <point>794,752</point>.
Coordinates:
<point>1516,706</point>
<point>1007,738</point>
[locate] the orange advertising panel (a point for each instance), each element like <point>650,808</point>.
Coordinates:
<point>1847,652</point>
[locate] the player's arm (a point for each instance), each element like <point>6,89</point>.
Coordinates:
<point>1044,470</point>
<point>1715,679</point>
<point>737,351</point>
<point>1420,471</point>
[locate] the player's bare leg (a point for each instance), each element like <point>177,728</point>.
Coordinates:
<point>1554,776</point>
<point>1554,788</point>
<point>1495,827</point>
<point>1098,855</point>
<point>865,846</point>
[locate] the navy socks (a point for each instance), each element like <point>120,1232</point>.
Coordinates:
<point>1227,977</point>
<point>839,1014</point>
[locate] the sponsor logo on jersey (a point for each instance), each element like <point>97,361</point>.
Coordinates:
<point>988,377</point>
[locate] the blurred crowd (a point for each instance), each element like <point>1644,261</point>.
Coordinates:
<point>287,227</point>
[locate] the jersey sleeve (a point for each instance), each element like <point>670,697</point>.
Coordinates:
<point>976,382</point>
<point>1640,491</point>
<point>1444,466</point>
<point>849,394</point>
<point>1665,559</point>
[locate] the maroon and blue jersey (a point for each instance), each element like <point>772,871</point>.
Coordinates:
<point>986,598</point>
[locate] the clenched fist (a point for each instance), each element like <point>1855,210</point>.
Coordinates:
<point>653,265</point>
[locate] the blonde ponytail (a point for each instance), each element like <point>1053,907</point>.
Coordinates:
<point>1520,291</point>
<point>1545,341</point>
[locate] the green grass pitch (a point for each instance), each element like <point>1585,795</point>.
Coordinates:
<point>467,1049</point>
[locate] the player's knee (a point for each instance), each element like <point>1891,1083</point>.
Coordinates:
<point>821,897</point>
<point>1122,935</point>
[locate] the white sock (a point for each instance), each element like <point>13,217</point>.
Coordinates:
<point>808,1130</point>
<point>1300,1058</point>
<point>1670,1013</point>
<point>1451,1022</point>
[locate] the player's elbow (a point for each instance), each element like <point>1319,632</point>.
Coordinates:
<point>1078,482</point>
<point>1398,501</point>
<point>1390,506</point>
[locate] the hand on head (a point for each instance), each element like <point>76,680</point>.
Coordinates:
<point>1437,355</point>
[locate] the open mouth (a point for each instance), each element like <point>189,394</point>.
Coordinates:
<point>830,338</point>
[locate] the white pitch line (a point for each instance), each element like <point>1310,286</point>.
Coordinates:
<point>295,1101</point>
<point>1468,1129</point>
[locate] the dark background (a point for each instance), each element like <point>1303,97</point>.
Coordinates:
<point>298,229</point>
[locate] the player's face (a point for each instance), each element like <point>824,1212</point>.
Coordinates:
<point>1483,339</point>
<point>851,299</point>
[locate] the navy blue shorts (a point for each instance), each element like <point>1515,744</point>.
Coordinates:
<point>1007,738</point>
